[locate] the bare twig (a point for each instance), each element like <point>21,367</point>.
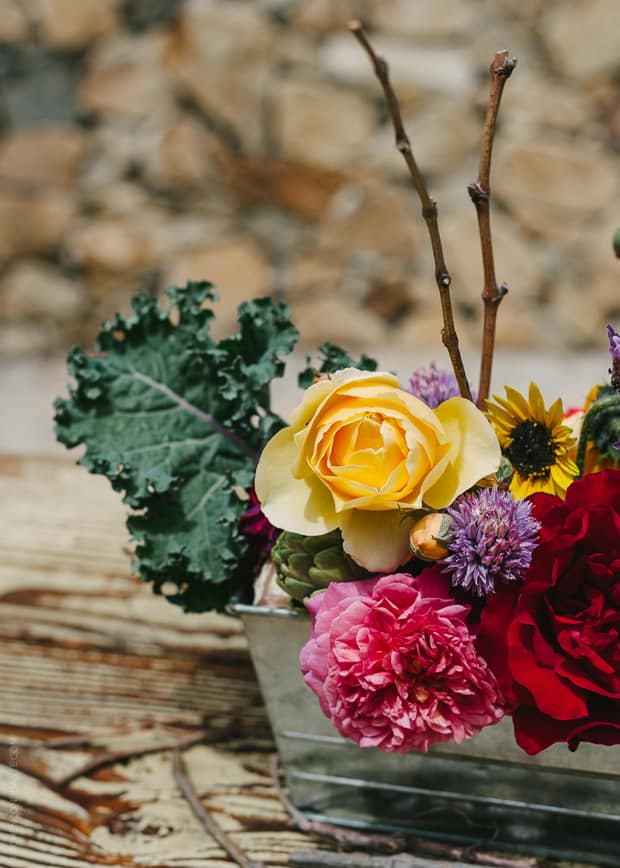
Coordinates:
<point>322,859</point>
<point>501,69</point>
<point>347,839</point>
<point>217,833</point>
<point>109,758</point>
<point>429,208</point>
<point>393,844</point>
<point>319,859</point>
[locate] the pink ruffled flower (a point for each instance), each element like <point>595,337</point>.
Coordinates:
<point>394,665</point>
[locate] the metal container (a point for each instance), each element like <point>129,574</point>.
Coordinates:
<point>486,790</point>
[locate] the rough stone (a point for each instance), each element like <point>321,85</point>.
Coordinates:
<point>553,187</point>
<point>321,124</point>
<point>303,189</point>
<point>220,55</point>
<point>33,223</point>
<point>31,288</point>
<point>376,217</point>
<point>13,22</point>
<point>310,274</point>
<point>21,339</point>
<point>413,71</point>
<point>536,103</point>
<point>324,15</point>
<point>40,90</point>
<point>237,268</point>
<point>125,78</point>
<point>182,156</point>
<point>111,244</point>
<point>517,260</point>
<point>68,25</point>
<point>577,329</point>
<point>329,318</point>
<point>50,155</point>
<point>436,152</point>
<point>427,19</point>
<point>422,328</point>
<point>522,328</point>
<point>583,38</point>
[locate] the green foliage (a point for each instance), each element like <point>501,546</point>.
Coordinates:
<point>306,564</point>
<point>176,421</point>
<point>601,427</point>
<point>333,358</point>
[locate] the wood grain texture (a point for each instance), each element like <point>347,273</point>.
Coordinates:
<point>94,667</point>
<point>99,678</point>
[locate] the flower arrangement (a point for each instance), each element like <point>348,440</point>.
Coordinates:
<point>460,558</point>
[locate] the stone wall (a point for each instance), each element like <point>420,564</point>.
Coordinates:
<point>151,141</point>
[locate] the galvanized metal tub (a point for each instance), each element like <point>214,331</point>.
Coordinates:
<point>486,790</point>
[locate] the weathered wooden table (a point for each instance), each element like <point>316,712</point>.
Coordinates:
<point>99,679</point>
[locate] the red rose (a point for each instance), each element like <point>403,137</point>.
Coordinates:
<point>554,644</point>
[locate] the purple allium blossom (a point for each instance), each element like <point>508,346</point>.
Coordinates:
<point>493,538</point>
<point>433,385</point>
<point>614,342</point>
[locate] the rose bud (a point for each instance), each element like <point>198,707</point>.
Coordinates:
<point>430,536</point>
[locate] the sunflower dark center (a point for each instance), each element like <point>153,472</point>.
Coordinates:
<point>532,451</point>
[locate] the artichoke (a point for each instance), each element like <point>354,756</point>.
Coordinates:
<point>600,432</point>
<point>306,564</point>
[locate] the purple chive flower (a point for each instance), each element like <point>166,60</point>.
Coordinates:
<point>614,342</point>
<point>493,538</point>
<point>614,349</point>
<point>433,385</point>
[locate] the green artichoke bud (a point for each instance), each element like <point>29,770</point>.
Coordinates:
<point>306,564</point>
<point>601,430</point>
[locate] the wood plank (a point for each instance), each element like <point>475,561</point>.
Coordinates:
<point>98,678</point>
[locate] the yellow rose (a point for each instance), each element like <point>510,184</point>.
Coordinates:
<point>359,452</point>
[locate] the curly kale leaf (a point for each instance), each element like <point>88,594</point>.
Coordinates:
<point>333,358</point>
<point>176,421</point>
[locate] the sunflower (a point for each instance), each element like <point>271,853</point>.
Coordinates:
<point>535,441</point>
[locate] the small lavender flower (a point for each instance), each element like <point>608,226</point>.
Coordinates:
<point>614,342</point>
<point>493,538</point>
<point>614,349</point>
<point>433,385</point>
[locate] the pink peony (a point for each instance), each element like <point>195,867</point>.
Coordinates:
<point>394,665</point>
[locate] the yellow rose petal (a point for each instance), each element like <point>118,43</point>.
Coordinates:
<point>378,541</point>
<point>301,505</point>
<point>474,451</point>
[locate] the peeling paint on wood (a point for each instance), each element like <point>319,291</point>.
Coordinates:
<point>98,678</point>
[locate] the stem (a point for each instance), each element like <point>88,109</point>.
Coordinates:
<point>501,69</point>
<point>118,756</point>
<point>347,839</point>
<point>429,209</point>
<point>204,816</point>
<point>199,414</point>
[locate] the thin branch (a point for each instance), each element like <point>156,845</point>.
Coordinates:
<point>321,859</point>
<point>346,839</point>
<point>350,839</point>
<point>429,208</point>
<point>202,814</point>
<point>501,69</point>
<point>110,758</point>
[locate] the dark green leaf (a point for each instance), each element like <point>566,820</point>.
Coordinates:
<point>333,358</point>
<point>176,421</point>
